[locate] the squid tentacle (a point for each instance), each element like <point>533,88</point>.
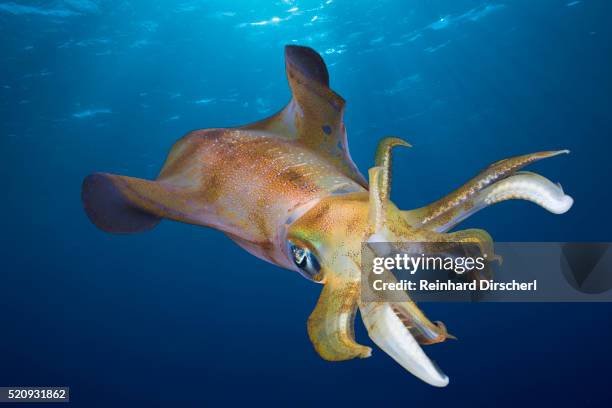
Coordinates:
<point>474,236</point>
<point>422,329</point>
<point>499,182</point>
<point>383,160</point>
<point>331,325</point>
<point>531,187</point>
<point>391,334</point>
<point>397,328</point>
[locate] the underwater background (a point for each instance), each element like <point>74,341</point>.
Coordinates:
<point>182,317</point>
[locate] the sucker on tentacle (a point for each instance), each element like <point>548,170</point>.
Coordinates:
<point>286,190</point>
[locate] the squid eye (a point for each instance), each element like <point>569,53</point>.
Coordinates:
<point>307,263</point>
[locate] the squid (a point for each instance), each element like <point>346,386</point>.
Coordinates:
<point>286,190</point>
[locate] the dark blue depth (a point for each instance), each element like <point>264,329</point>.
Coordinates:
<point>180,316</point>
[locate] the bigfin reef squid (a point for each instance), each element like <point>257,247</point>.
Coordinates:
<point>286,190</point>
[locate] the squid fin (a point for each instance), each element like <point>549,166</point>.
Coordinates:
<point>109,207</point>
<point>314,116</point>
<point>124,205</point>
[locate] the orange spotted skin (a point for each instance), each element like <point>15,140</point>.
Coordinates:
<point>286,190</point>
<point>250,182</point>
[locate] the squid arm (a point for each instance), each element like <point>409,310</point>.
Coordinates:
<point>331,324</point>
<point>398,328</point>
<point>499,182</point>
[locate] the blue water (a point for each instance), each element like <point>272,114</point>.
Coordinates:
<point>180,316</point>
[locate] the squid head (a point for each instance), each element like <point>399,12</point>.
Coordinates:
<point>325,245</point>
